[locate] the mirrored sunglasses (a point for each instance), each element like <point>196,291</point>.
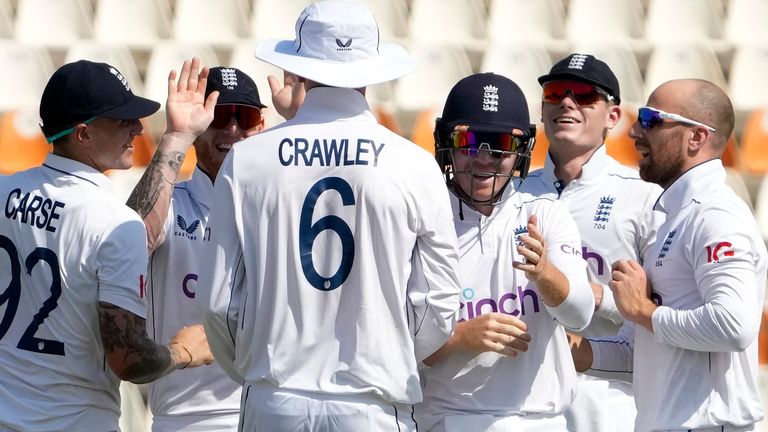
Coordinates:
<point>582,93</point>
<point>247,117</point>
<point>651,117</point>
<point>471,142</point>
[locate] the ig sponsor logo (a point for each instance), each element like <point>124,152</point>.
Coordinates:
<point>716,252</point>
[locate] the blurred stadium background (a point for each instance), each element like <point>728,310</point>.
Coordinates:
<point>646,42</point>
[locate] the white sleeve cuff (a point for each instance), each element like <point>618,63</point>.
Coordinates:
<point>575,312</point>
<point>607,308</point>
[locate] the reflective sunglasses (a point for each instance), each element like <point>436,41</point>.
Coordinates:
<point>582,93</point>
<point>651,117</point>
<point>471,142</point>
<point>247,117</point>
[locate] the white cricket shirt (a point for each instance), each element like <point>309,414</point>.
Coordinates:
<point>315,227</point>
<point>203,398</point>
<point>612,207</point>
<point>65,244</point>
<point>708,271</point>
<point>543,379</point>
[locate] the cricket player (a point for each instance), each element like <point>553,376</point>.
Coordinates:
<point>72,266</point>
<point>696,300</point>
<point>508,365</point>
<point>317,226</point>
<point>611,205</point>
<point>202,399</point>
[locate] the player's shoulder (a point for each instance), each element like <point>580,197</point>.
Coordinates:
<point>535,175</point>
<point>536,183</point>
<point>536,203</point>
<point>98,204</point>
<point>25,177</point>
<point>182,190</point>
<point>628,179</point>
<point>622,173</point>
<point>552,214</point>
<point>722,200</point>
<point>111,210</point>
<point>726,218</point>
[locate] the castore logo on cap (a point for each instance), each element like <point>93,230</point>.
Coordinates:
<point>343,46</point>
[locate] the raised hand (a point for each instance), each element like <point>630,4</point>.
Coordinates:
<point>188,111</point>
<point>289,97</point>
<point>534,251</point>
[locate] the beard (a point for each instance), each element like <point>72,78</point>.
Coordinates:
<point>662,168</point>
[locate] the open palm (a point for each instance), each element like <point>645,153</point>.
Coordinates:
<point>187,109</point>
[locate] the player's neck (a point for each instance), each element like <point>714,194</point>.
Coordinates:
<point>569,162</point>
<point>68,152</point>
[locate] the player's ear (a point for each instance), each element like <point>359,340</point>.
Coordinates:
<point>81,134</point>
<point>613,116</point>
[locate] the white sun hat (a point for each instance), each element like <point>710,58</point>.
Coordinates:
<point>337,44</point>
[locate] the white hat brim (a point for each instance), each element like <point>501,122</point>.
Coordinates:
<point>392,62</point>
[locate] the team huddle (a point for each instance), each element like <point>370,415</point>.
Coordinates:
<point>326,274</point>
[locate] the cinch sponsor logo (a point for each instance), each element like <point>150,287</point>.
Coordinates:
<point>593,257</point>
<point>570,250</point>
<point>189,285</point>
<point>511,303</point>
<point>656,298</point>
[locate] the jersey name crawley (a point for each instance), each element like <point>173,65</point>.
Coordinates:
<point>328,152</point>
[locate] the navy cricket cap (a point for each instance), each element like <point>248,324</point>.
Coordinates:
<point>234,86</point>
<point>79,91</point>
<point>487,102</point>
<point>585,68</point>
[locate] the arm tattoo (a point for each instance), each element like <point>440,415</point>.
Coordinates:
<point>147,191</point>
<point>125,333</point>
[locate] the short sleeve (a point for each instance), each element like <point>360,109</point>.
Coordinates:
<point>122,264</point>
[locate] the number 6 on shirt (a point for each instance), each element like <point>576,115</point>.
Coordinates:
<point>308,232</point>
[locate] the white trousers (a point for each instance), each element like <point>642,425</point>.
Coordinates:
<point>726,428</point>
<point>490,423</point>
<point>193,423</point>
<point>601,405</point>
<point>270,409</point>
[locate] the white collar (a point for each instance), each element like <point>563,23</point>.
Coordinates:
<point>77,169</point>
<point>201,187</point>
<point>326,104</point>
<point>690,186</point>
